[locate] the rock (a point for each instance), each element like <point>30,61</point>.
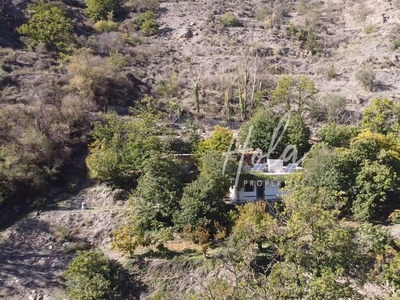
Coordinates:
<point>50,247</point>
<point>188,34</point>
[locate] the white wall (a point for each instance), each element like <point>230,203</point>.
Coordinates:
<point>271,190</point>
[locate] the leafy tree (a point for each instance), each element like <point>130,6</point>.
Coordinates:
<point>265,123</point>
<point>202,202</point>
<point>372,183</point>
<point>315,243</point>
<point>153,203</point>
<point>158,192</point>
<point>333,170</point>
<point>305,90</point>
<point>382,116</point>
<point>100,9</point>
<point>133,234</point>
<point>375,146</point>
<point>282,92</point>
<point>337,135</point>
<point>202,199</point>
<point>48,24</point>
<point>291,91</point>
<point>120,150</point>
<point>219,141</point>
<point>298,134</point>
<point>364,172</point>
<point>254,225</point>
<point>91,276</point>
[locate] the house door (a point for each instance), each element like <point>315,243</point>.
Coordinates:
<point>260,191</point>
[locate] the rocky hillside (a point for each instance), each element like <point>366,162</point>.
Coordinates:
<point>206,57</point>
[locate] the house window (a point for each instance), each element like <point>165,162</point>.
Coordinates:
<point>248,187</point>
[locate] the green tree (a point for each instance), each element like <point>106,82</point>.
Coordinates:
<point>282,92</point>
<point>202,200</point>
<point>337,135</point>
<point>382,116</point>
<point>305,90</point>
<point>100,9</point>
<point>289,130</point>
<point>121,148</point>
<point>219,141</point>
<point>91,276</point>
<point>263,123</point>
<point>298,91</point>
<point>158,192</point>
<point>48,24</point>
<point>298,134</point>
<point>133,234</point>
<point>372,183</point>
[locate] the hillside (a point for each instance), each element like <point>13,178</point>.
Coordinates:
<point>172,71</point>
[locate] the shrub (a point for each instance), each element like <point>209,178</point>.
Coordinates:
<point>263,13</point>
<point>98,80</point>
<point>396,45</point>
<point>395,216</point>
<point>367,78</point>
<point>219,141</point>
<point>297,33</point>
<point>130,236</point>
<point>332,72</point>
<point>143,5</point>
<point>312,44</point>
<point>335,105</point>
<point>48,25</point>
<point>148,23</point>
<point>100,9</point>
<point>168,87</point>
<point>119,60</point>
<point>337,135</point>
<point>91,276</point>
<point>369,29</point>
<point>310,40</point>
<point>105,26</point>
<point>108,42</point>
<point>230,20</point>
<point>149,27</point>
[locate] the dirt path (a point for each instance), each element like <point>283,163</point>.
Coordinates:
<point>36,250</point>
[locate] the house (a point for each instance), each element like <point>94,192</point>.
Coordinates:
<point>262,181</point>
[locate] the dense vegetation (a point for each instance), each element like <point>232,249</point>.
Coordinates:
<point>324,240</point>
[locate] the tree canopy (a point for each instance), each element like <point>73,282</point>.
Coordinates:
<point>100,9</point>
<point>273,133</point>
<point>91,276</point>
<point>48,24</point>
